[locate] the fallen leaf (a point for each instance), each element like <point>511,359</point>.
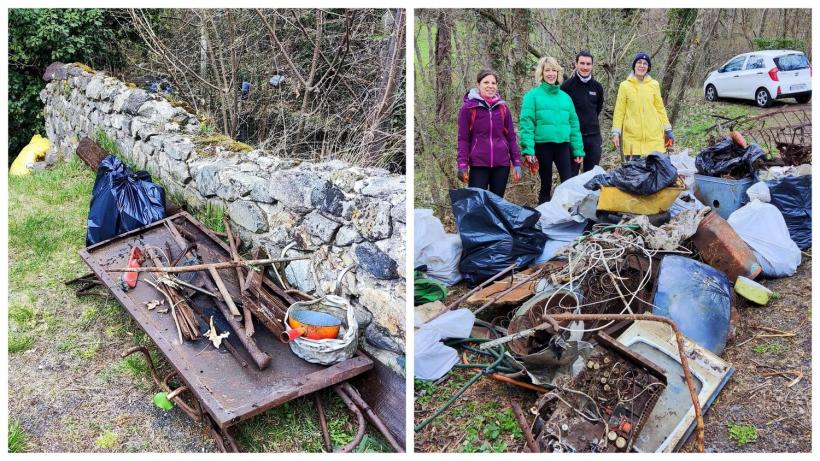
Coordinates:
<point>152,304</point>
<point>213,337</point>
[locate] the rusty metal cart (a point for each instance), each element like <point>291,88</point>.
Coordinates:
<point>214,386</point>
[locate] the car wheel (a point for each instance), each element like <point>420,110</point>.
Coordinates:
<point>711,93</point>
<point>803,98</point>
<point>763,98</point>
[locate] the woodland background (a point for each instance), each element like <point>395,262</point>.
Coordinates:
<point>685,45</point>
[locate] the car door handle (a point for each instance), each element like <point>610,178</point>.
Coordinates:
<point>736,76</point>
<point>759,73</point>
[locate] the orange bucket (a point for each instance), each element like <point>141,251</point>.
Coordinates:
<point>312,325</point>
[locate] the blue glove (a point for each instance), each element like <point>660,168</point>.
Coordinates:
<point>518,171</point>
<point>668,133</point>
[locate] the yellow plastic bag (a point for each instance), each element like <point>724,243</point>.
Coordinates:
<point>33,152</point>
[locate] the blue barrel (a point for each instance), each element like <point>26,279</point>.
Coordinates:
<point>722,195</point>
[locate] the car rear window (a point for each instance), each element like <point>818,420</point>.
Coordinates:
<point>791,62</point>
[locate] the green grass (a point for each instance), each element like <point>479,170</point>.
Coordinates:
<point>107,440</point>
<point>772,347</point>
<point>18,439</point>
<point>20,342</point>
<point>211,215</point>
<point>741,434</point>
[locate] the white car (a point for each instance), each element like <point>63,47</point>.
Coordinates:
<point>762,76</point>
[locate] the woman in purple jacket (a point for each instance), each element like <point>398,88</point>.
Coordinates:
<point>487,144</point>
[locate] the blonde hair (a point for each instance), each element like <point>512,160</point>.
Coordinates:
<point>548,62</point>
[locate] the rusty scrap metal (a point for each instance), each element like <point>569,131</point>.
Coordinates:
<point>354,395</point>
<point>525,428</point>
<point>788,126</point>
<point>551,321</point>
<point>320,410</point>
<point>203,267</point>
<point>359,419</point>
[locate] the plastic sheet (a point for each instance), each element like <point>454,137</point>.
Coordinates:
<point>427,290</point>
<point>697,297</point>
<point>644,176</point>
<point>726,157</point>
<point>567,199</point>
<point>494,233</point>
<point>122,201</point>
<point>762,227</point>
<point>436,249</point>
<point>685,166</point>
<point>431,358</point>
<point>560,236</point>
<point>792,196</point>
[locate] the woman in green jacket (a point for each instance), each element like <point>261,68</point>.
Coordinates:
<point>549,128</point>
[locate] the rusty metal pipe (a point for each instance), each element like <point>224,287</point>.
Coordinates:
<point>320,410</point>
<point>359,418</point>
<point>202,267</point>
<point>681,351</point>
<point>525,428</point>
<point>353,393</point>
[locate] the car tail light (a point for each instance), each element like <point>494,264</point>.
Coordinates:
<point>773,74</point>
<point>778,89</point>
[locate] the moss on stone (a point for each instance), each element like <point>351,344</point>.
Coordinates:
<point>85,67</point>
<point>131,85</point>
<point>222,141</point>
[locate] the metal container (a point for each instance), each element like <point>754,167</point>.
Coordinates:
<point>722,195</point>
<point>721,247</point>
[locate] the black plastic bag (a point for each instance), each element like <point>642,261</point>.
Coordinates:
<point>494,233</point>
<point>122,201</point>
<point>726,157</point>
<point>644,176</point>
<point>792,196</point>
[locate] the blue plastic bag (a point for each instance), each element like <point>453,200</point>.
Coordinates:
<point>122,201</point>
<point>494,233</point>
<point>698,298</point>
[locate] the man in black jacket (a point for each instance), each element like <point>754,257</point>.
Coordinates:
<point>588,97</point>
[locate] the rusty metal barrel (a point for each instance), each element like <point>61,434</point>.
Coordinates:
<point>722,248</point>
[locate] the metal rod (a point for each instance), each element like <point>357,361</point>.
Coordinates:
<point>359,418</point>
<point>202,267</point>
<point>525,428</point>
<point>317,400</point>
<point>353,393</point>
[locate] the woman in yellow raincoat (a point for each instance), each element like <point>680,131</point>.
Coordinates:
<point>640,124</point>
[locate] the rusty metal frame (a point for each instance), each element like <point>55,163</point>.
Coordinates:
<point>790,126</point>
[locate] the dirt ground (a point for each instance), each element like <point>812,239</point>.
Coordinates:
<point>779,410</point>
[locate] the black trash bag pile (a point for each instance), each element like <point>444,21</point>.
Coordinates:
<point>494,233</point>
<point>122,201</point>
<point>727,158</point>
<point>644,176</point>
<point>792,196</point>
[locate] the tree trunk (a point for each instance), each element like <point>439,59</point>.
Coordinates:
<point>680,23</point>
<point>444,67</point>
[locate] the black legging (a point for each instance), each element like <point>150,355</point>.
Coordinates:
<point>547,153</point>
<point>492,178</point>
<point>592,149</point>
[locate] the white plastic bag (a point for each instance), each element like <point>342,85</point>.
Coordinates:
<point>566,198</point>
<point>431,358</point>
<point>686,167</point>
<point>560,236</point>
<point>759,191</point>
<point>762,227</point>
<point>327,351</point>
<point>439,251</point>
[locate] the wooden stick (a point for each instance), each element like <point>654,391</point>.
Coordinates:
<point>203,267</point>
<point>224,291</point>
<point>240,280</point>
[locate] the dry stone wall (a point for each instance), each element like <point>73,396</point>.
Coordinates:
<point>337,213</point>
